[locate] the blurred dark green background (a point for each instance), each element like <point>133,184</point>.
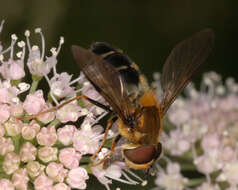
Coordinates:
<point>146,30</point>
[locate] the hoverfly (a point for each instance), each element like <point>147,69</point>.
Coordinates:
<point>133,79</point>
<point>139,120</point>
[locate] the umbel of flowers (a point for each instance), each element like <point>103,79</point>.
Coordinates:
<point>51,151</point>
<point>48,152</point>
<point>202,138</point>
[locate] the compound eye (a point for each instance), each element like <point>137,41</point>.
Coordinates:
<point>141,154</point>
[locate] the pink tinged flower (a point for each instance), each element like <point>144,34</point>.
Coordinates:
<point>4,98</point>
<point>232,188</point>
<point>8,93</point>
<point>87,139</point>
<point>20,179</point>
<point>60,85</point>
<point>16,110</point>
<point>227,104</point>
<point>229,173</point>
<point>115,171</point>
<point>209,162</point>
<point>194,130</point>
<point>34,103</point>
<point>47,117</point>
<point>6,184</point>
<point>34,168</point>
<point>12,69</point>
<point>69,112</point>
<point>13,127</point>
<point>43,182</point>
<point>30,130</point>
<point>89,90</point>
<point>35,62</point>
<point>227,154</point>
<point>47,154</point>
<point>210,142</point>
<point>6,146</point>
<point>69,157</point>
<point>178,113</point>
<point>2,131</point>
<point>47,136</point>
<point>4,112</point>
<point>16,70</point>
<point>28,152</point>
<point>61,186</point>
<point>100,174</point>
<point>77,178</point>
<point>177,144</point>
<point>56,171</point>
<point>208,186</point>
<point>65,134</point>
<point>11,163</point>
<point>172,178</point>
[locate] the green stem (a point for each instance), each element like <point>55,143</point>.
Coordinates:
<point>34,84</point>
<point>196,182</point>
<point>55,123</point>
<point>187,166</point>
<point>85,159</point>
<point>17,143</point>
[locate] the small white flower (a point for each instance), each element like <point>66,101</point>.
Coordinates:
<point>172,178</point>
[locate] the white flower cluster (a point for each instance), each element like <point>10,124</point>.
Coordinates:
<point>204,131</point>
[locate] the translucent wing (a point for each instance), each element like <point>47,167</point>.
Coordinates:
<point>105,78</point>
<point>181,64</point>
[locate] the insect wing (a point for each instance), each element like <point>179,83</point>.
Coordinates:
<point>181,64</point>
<point>105,78</point>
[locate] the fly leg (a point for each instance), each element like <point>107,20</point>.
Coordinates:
<point>65,103</point>
<point>113,146</point>
<point>109,124</point>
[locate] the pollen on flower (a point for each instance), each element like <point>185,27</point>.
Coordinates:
<point>27,33</point>
<point>14,36</point>
<point>53,51</point>
<point>21,44</point>
<point>37,30</point>
<point>1,57</point>
<point>35,48</point>
<point>19,54</point>
<point>144,183</point>
<point>61,40</point>
<point>23,86</point>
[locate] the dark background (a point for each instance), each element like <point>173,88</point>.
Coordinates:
<point>146,30</point>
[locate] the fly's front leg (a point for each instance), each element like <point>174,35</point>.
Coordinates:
<point>109,124</point>
<point>113,146</point>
